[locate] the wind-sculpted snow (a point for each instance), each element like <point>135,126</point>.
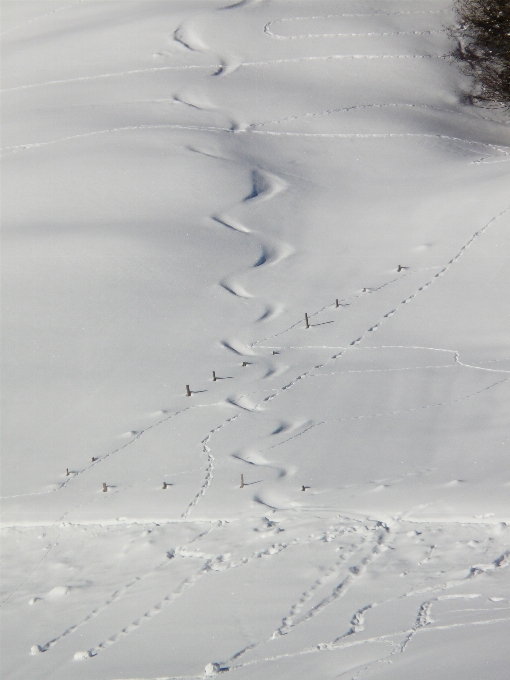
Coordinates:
<point>207,482</point>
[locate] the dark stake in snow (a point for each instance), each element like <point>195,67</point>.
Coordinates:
<point>214,376</point>
<point>188,391</point>
<point>242,481</point>
<point>306,320</point>
<point>105,488</point>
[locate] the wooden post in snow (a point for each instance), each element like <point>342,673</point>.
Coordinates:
<point>165,485</point>
<point>188,391</point>
<point>105,488</point>
<point>214,376</point>
<point>337,304</point>
<point>67,472</point>
<point>242,481</point>
<point>306,320</point>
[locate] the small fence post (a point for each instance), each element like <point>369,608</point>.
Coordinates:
<point>188,391</point>
<point>105,488</point>
<point>306,320</point>
<point>242,481</point>
<point>337,304</point>
<point>214,376</point>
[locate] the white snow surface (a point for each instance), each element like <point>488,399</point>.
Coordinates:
<point>182,181</point>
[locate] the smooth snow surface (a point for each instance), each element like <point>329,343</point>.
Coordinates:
<point>182,181</point>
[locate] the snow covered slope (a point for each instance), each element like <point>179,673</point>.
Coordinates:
<point>182,181</point>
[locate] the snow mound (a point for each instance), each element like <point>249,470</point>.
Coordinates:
<point>81,656</point>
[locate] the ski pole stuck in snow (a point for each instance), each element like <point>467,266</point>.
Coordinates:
<point>242,481</point>
<point>214,376</point>
<point>306,320</point>
<point>105,488</point>
<point>188,391</point>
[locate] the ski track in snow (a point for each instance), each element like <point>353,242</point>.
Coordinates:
<point>265,187</point>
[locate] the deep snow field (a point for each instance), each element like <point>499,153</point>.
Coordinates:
<point>182,181</point>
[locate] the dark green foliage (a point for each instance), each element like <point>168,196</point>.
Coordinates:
<point>483,37</point>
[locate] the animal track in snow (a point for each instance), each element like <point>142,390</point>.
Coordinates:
<point>218,563</point>
<point>406,300</point>
<point>121,592</point>
<point>424,617</point>
<point>387,413</point>
<point>118,74</point>
<point>222,562</point>
<point>370,34</point>
<point>149,614</point>
<point>362,107</point>
<point>42,16</point>
<point>290,619</point>
<point>210,466</point>
<point>219,68</point>
<point>500,149</point>
<point>354,572</point>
